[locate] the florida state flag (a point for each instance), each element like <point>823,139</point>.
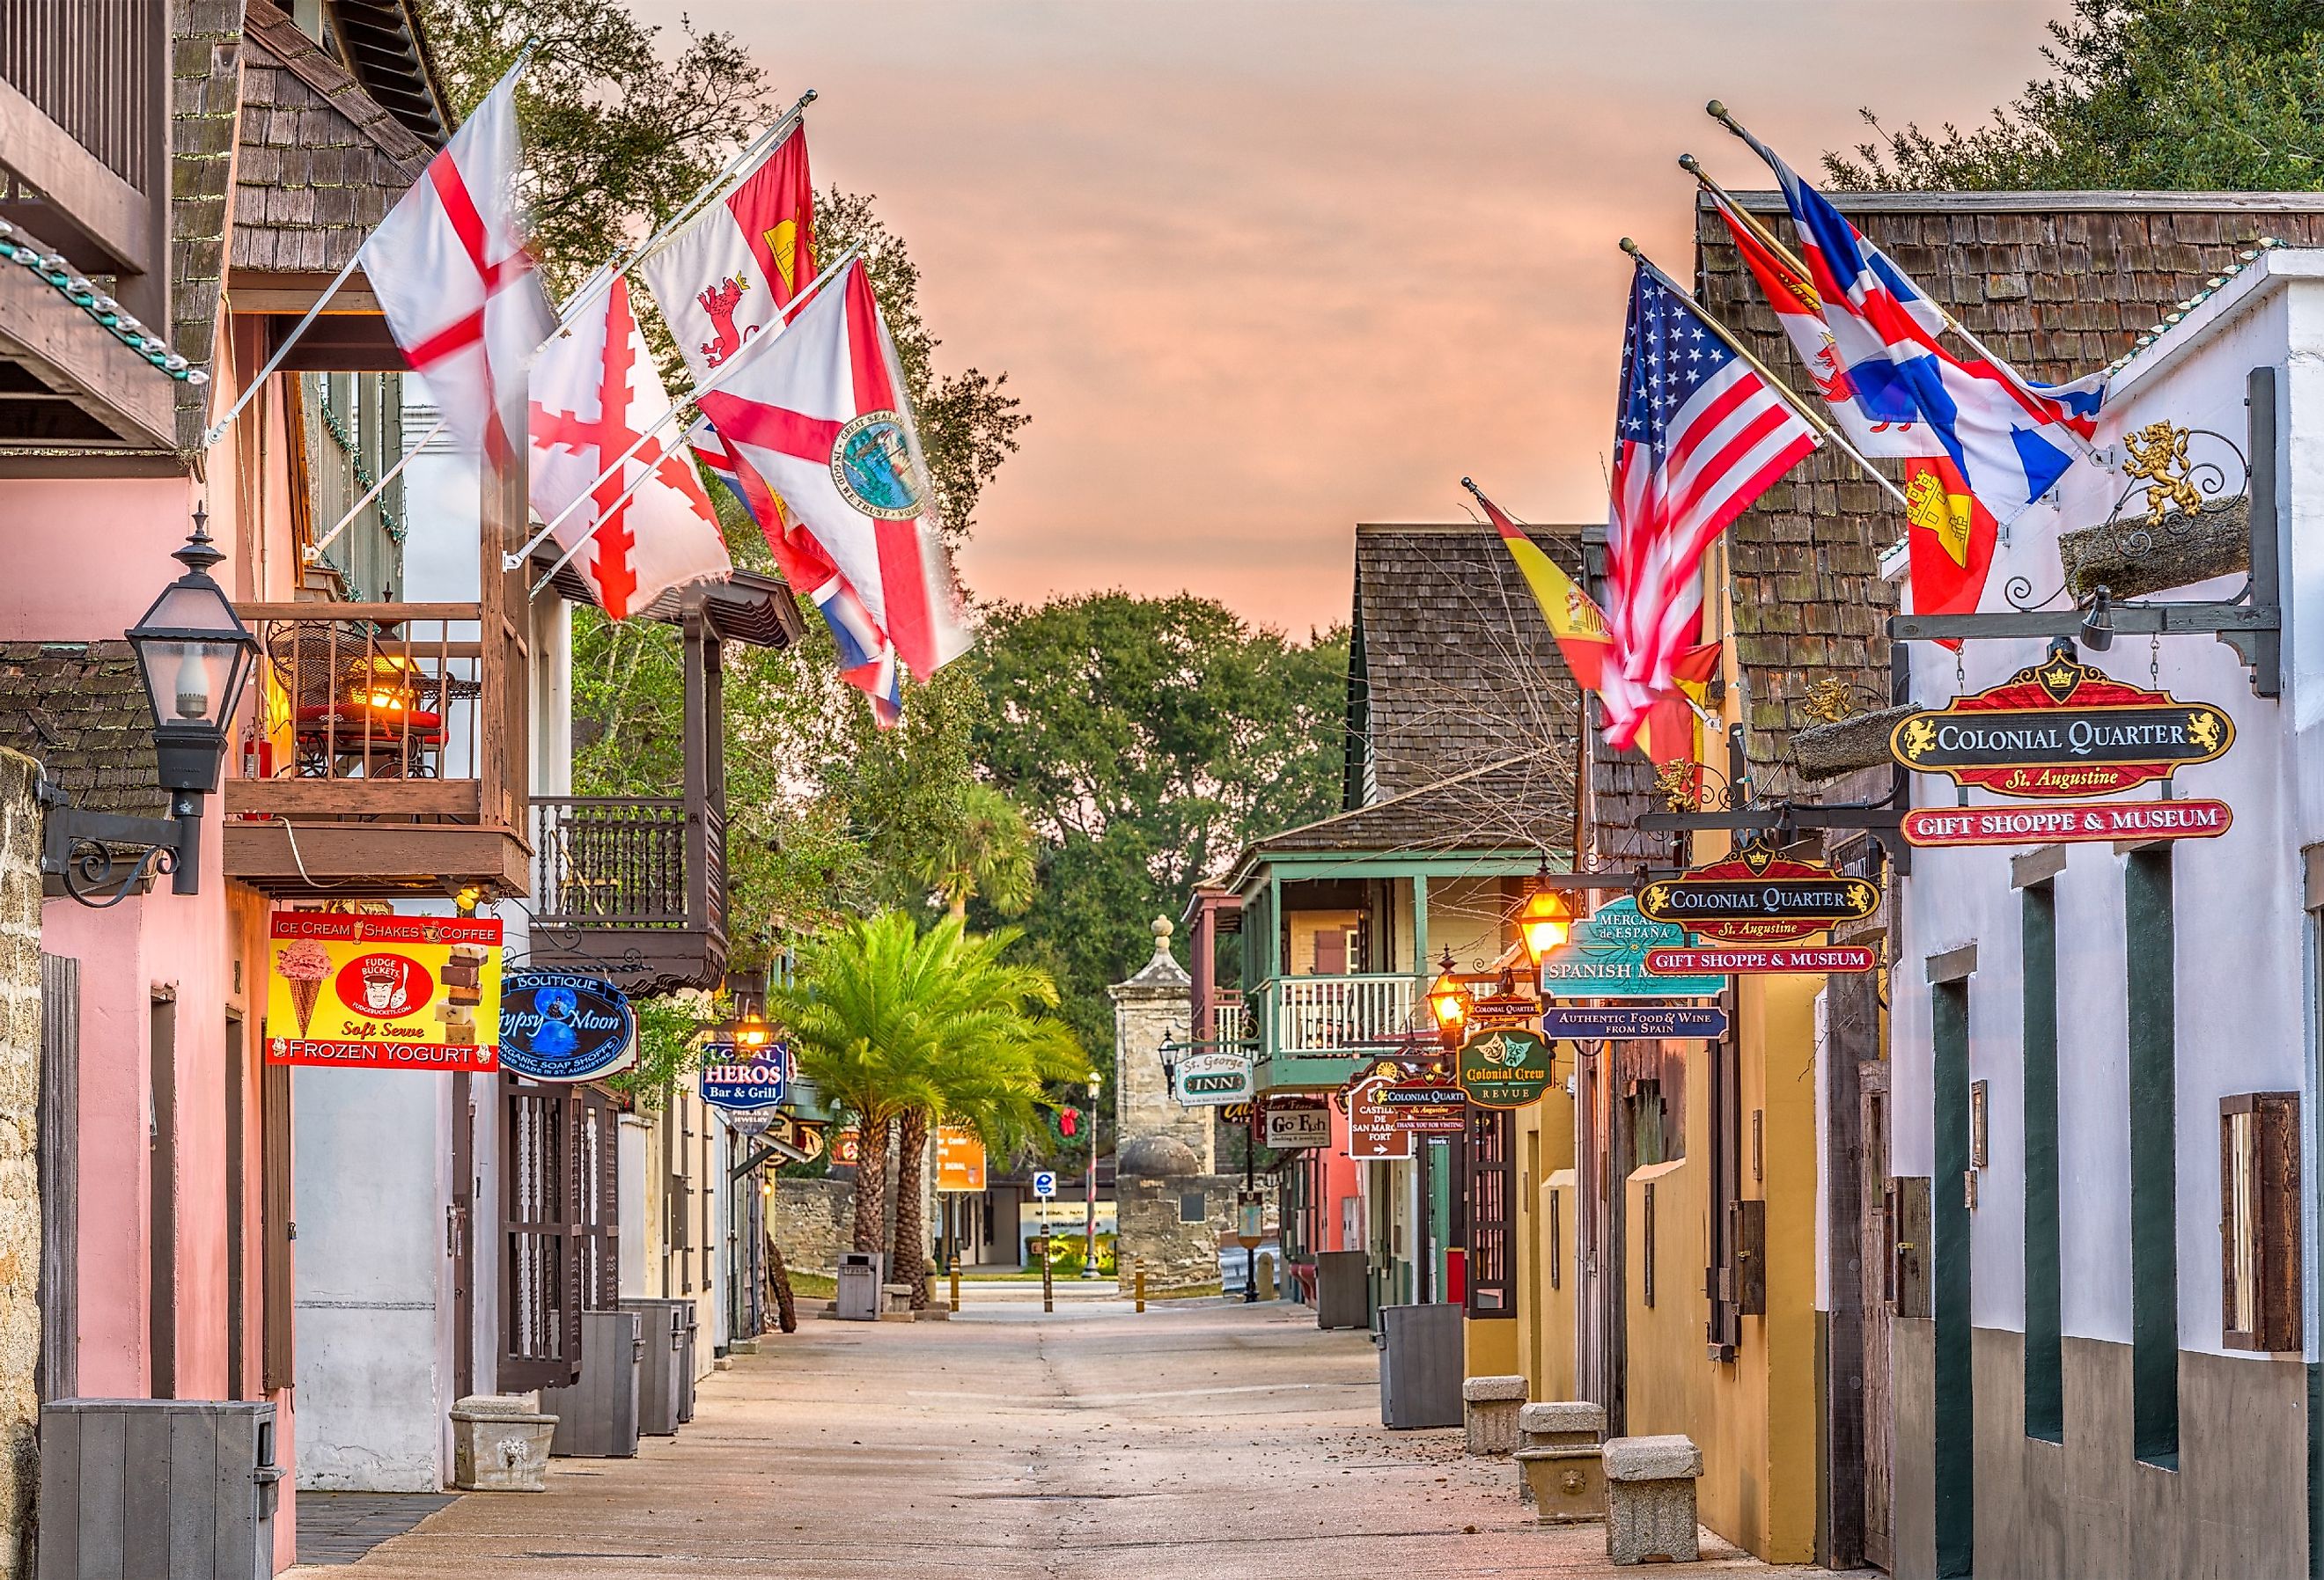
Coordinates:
<point>594,391</point>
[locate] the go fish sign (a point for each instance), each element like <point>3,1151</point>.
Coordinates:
<point>383,992</point>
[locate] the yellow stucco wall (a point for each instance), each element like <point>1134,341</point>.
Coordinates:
<point>1488,1347</point>
<point>1304,926</point>
<point>1557,1358</point>
<point>1755,1417</point>
<point>1542,1136</point>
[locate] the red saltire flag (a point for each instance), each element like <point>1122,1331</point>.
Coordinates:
<point>822,417</point>
<point>721,282</point>
<point>1667,733</point>
<point>452,277</point>
<point>594,391</point>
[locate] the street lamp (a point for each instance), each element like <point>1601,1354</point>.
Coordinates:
<point>1545,923</point>
<point>1089,1219</point>
<point>194,655</point>
<point>1448,1001</point>
<point>751,1033</point>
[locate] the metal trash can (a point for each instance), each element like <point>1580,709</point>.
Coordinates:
<point>1420,1366</point>
<point>598,1417</point>
<point>659,1389</point>
<point>861,1274</point>
<point>690,1331</point>
<point>1342,1288</point>
<point>157,1486</point>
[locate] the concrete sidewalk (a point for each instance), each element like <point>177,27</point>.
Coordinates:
<point>1192,1441</point>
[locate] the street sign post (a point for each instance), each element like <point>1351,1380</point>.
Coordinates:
<point>1045,1185</point>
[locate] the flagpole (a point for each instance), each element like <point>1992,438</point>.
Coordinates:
<point>1720,113</point>
<point>313,550</point>
<point>511,561</point>
<point>1814,418</point>
<point>217,431</point>
<point>1751,222</point>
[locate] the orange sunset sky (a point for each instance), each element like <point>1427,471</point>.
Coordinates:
<point>1263,270</point>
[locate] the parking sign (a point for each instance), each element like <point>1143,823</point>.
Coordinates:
<point>1045,1185</point>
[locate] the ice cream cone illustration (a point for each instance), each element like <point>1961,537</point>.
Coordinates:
<point>304,965</point>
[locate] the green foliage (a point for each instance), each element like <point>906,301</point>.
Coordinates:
<point>1147,740</point>
<point>2174,95</point>
<point>669,1043</point>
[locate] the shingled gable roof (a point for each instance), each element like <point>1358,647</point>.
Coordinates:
<point>321,161</point>
<point>79,708</point>
<point>1517,803</point>
<point>1451,666</point>
<point>2060,283</point>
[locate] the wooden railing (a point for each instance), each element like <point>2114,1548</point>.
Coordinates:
<point>627,862</point>
<point>1229,1018</point>
<point>89,66</point>
<point>1330,1014</point>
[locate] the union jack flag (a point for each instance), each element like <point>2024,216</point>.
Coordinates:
<point>1698,436</point>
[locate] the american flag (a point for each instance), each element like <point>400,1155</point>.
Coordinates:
<point>1698,436</point>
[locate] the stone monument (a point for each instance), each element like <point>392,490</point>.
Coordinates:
<point>1170,1203</point>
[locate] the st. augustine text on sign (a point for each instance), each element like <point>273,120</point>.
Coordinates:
<point>1758,896</point>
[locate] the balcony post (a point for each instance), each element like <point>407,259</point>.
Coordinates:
<point>703,733</point>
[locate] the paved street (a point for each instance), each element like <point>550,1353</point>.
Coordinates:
<point>1186,1442</point>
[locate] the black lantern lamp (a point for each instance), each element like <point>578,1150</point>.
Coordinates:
<point>195,656</point>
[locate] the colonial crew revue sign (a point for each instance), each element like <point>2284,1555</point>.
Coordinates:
<point>2061,729</point>
<point>1504,1067</point>
<point>416,992</point>
<point>1757,896</point>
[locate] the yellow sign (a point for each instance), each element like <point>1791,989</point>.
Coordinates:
<point>417,993</point>
<point>960,1159</point>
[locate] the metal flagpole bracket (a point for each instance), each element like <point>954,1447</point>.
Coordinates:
<point>2250,622</point>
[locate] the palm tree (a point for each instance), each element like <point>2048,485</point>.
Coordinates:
<point>988,852</point>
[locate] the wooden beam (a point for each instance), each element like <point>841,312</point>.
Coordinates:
<point>380,613</point>
<point>355,860</point>
<point>64,348</point>
<point>353,798</point>
<point>114,214</point>
<point>256,291</point>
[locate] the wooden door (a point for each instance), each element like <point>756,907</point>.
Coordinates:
<point>1872,1263</point>
<point>59,1176</point>
<point>459,1234</point>
<point>540,1252</point>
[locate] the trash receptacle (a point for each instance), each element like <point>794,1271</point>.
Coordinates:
<point>660,1388</point>
<point>1420,1366</point>
<point>1342,1288</point>
<point>861,1274</point>
<point>154,1486</point>
<point>598,1417</point>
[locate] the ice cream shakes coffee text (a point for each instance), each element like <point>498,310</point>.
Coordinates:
<point>384,992</point>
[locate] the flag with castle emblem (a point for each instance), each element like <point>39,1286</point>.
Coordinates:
<point>594,391</point>
<point>823,419</point>
<point>725,280</point>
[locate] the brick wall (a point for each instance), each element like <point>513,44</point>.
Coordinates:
<point>20,1194</point>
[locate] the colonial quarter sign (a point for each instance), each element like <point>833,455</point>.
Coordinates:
<point>1758,896</point>
<point>2061,729</point>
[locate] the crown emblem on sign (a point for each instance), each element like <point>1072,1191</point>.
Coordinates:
<point>2059,678</point>
<point>1756,855</point>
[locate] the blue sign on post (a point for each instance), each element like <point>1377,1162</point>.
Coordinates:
<point>1045,1185</point>
<point>557,1026</point>
<point>1605,957</point>
<point>758,1081</point>
<point>1635,1022</point>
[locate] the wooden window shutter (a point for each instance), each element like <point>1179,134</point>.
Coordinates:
<point>2259,1221</point>
<point>540,1261</point>
<point>599,1173</point>
<point>59,1176</point>
<point>276,1362</point>
<point>1492,1275</point>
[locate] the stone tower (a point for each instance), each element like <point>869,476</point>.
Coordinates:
<point>1154,1006</point>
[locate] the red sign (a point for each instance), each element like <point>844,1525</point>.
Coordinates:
<point>2059,825</point>
<point>1757,962</point>
<point>1757,895</point>
<point>1372,1130</point>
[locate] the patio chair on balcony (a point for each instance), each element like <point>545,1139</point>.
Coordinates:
<point>356,711</point>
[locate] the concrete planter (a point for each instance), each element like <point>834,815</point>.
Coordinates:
<point>1650,1499</point>
<point>500,1444</point>
<point>1489,1413</point>
<point>1560,1470</point>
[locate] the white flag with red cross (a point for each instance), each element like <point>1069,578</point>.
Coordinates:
<point>594,391</point>
<point>822,416</point>
<point>454,281</point>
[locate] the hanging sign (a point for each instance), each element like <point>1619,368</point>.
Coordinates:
<point>1293,1124</point>
<point>2067,823</point>
<point>753,1121</point>
<point>760,1080</point>
<point>1761,962</point>
<point>1604,956</point>
<point>1504,1067</point>
<point>960,1159</point>
<point>1635,1022</point>
<point>556,1026</point>
<point>1373,1133</point>
<point>1426,1107</point>
<point>847,1148</point>
<point>1208,1080</point>
<point>407,992</point>
<point>2060,728</point>
<point>1757,895</point>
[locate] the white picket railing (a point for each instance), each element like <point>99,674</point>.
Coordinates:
<point>1228,1022</point>
<point>1328,1014</point>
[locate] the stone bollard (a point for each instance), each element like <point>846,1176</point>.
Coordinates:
<point>500,1444</point>
<point>1559,1469</point>
<point>1489,1412</point>
<point>1650,1499</point>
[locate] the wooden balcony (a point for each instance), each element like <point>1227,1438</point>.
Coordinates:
<point>386,753</point>
<point>630,888</point>
<point>1315,1032</point>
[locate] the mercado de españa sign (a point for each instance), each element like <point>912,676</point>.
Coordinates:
<point>1757,896</point>
<point>2061,729</point>
<point>1605,957</point>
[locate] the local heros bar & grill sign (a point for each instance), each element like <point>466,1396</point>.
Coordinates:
<point>561,1026</point>
<point>383,992</point>
<point>1757,896</point>
<point>2061,729</point>
<point>743,1085</point>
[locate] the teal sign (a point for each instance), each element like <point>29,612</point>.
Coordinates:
<point>1606,958</point>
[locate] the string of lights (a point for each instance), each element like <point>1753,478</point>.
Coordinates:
<point>16,247</point>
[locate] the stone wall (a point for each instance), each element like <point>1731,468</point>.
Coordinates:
<point>812,1221</point>
<point>1177,1255</point>
<point>20,1191</point>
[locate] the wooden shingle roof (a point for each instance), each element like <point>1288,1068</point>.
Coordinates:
<point>1519,803</point>
<point>321,161</point>
<point>2059,283</point>
<point>81,710</point>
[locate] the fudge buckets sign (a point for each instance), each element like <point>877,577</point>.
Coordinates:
<point>556,1026</point>
<point>383,992</point>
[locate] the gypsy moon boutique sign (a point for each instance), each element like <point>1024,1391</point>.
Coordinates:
<point>398,992</point>
<point>1504,1067</point>
<point>742,1084</point>
<point>557,1026</point>
<point>2093,820</point>
<point>1761,962</point>
<point>1605,957</point>
<point>1755,896</point>
<point>2060,728</point>
<point>1212,1080</point>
